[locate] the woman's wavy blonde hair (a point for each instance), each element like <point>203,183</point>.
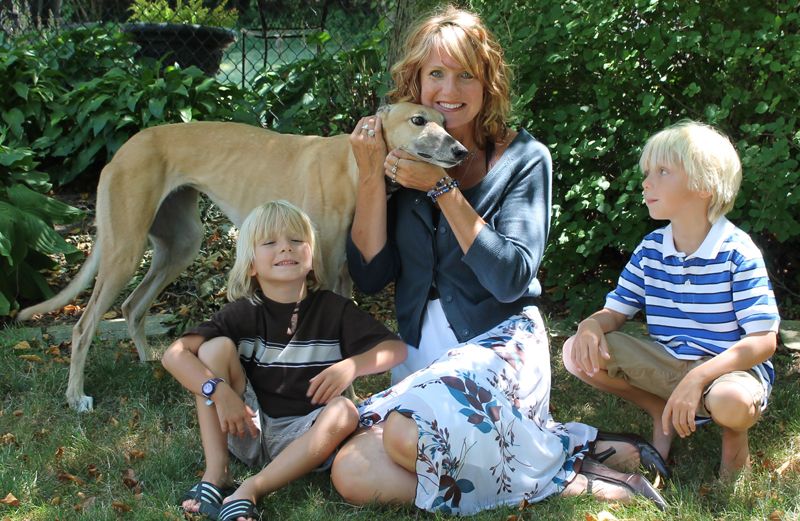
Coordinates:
<point>461,35</point>
<point>264,222</point>
<point>705,154</point>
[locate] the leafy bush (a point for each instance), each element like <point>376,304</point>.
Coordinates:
<point>596,79</point>
<point>325,94</point>
<point>71,102</point>
<point>190,12</point>
<point>27,237</point>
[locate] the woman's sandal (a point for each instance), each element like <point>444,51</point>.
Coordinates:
<point>636,483</point>
<point>649,458</point>
<point>237,508</point>
<point>209,496</point>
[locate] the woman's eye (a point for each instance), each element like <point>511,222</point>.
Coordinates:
<point>466,75</point>
<point>418,121</point>
<point>663,171</point>
<point>297,240</point>
<point>436,74</point>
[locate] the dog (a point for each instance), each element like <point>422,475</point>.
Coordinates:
<point>150,189</point>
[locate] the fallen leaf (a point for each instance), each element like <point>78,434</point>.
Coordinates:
<point>86,503</point>
<point>776,515</point>
<point>523,505</point>
<point>108,315</point>
<point>589,517</point>
<point>93,472</point>
<point>59,453</point>
<point>129,479</point>
<point>113,421</point>
<point>8,439</point>
<point>18,413</point>
<point>22,346</point>
<point>53,351</point>
<point>513,517</point>
<point>704,490</point>
<point>134,454</point>
<point>119,506</point>
<point>32,358</point>
<point>66,476</point>
<point>791,465</point>
<point>134,421</point>
<point>10,500</point>
<point>56,501</point>
<point>61,360</point>
<point>158,372</point>
<point>606,516</point>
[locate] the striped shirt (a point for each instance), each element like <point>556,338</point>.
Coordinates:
<point>700,304</point>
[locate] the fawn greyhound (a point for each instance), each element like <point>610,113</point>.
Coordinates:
<point>150,190</point>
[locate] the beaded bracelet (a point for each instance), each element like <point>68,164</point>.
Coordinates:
<point>442,186</point>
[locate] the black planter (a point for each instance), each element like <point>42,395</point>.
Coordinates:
<point>184,44</point>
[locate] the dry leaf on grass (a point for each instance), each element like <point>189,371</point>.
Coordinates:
<point>8,439</point>
<point>108,315</point>
<point>59,453</point>
<point>22,346</point>
<point>606,516</point>
<point>56,501</point>
<point>134,454</point>
<point>86,502</point>
<point>32,358</point>
<point>119,506</point>
<point>18,413</point>
<point>10,500</point>
<point>66,476</point>
<point>94,472</point>
<point>776,515</point>
<point>131,481</point>
<point>791,465</point>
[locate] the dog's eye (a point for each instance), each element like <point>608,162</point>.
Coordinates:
<point>418,121</point>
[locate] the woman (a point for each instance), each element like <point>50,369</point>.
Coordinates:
<point>472,428</point>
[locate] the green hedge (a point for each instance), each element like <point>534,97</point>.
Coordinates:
<point>595,79</point>
<point>70,101</point>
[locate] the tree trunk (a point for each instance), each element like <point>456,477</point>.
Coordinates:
<point>405,14</point>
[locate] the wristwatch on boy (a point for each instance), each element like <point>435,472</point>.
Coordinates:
<point>208,389</point>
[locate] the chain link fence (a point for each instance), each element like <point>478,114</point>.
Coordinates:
<point>233,40</point>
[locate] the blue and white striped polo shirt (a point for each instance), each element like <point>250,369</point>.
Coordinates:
<point>701,304</point>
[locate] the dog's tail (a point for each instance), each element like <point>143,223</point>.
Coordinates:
<point>84,277</point>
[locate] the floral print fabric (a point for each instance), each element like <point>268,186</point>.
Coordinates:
<point>486,437</point>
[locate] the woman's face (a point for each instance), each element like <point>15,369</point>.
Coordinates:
<point>450,89</point>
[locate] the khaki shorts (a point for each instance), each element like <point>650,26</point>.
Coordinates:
<point>275,434</point>
<point>647,365</point>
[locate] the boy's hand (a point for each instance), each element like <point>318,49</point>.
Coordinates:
<point>235,417</point>
<point>589,346</point>
<point>332,382</point>
<point>682,406</point>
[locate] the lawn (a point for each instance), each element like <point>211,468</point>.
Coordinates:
<point>138,451</point>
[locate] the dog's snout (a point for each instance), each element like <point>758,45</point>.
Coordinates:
<point>459,151</point>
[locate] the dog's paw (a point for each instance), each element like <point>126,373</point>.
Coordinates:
<point>82,403</point>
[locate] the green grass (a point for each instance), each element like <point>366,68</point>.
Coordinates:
<point>143,429</point>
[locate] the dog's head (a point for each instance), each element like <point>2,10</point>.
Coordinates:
<point>420,131</point>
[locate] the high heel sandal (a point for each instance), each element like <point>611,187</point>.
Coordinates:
<point>649,458</point>
<point>636,483</point>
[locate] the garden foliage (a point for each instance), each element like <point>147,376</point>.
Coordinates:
<point>595,79</point>
<point>71,101</point>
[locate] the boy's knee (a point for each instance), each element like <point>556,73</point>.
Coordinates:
<point>342,414</point>
<point>732,406</point>
<point>215,350</point>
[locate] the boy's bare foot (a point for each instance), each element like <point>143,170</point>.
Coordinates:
<point>735,454</point>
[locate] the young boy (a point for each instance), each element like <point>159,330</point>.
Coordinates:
<point>710,310</point>
<point>269,368</point>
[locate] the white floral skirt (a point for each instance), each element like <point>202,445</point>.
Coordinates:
<point>486,437</point>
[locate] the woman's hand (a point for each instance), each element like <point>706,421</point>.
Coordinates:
<point>368,146</point>
<point>406,170</point>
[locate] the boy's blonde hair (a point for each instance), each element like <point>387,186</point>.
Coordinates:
<point>706,155</point>
<point>461,35</point>
<point>264,222</point>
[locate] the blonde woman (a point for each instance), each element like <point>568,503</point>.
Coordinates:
<point>467,425</point>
